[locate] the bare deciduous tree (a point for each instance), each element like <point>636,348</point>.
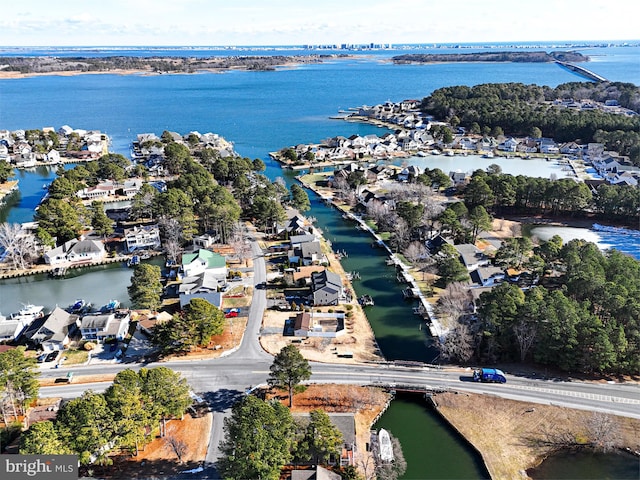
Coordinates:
<point>455,301</point>
<point>459,344</point>
<point>603,431</point>
<point>19,245</point>
<point>525,333</point>
<point>177,446</point>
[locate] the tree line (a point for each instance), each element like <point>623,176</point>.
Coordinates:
<point>580,311</point>
<point>126,416</point>
<point>518,109</point>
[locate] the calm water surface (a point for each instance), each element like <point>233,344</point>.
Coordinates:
<point>262,112</point>
<point>585,465</point>
<point>431,448</point>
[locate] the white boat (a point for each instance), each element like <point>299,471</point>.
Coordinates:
<point>28,311</point>
<point>386,449</point>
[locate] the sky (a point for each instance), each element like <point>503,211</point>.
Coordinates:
<point>315,22</point>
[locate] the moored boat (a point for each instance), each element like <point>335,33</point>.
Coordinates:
<point>110,307</point>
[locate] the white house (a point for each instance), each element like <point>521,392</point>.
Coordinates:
<point>142,237</point>
<point>53,156</point>
<point>194,264</point>
<point>59,254</point>
<point>86,251</point>
<point>105,326</point>
<point>509,145</point>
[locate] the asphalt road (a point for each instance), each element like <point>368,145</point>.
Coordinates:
<point>222,381</point>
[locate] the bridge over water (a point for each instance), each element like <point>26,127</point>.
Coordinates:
<point>582,71</point>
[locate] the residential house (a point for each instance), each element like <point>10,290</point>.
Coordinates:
<point>345,423</point>
<point>300,276</point>
<point>317,324</point>
<point>53,156</point>
<point>509,145</point>
<point>11,329</point>
<point>570,148</point>
<point>409,173</point>
<point>52,332</point>
<point>326,288</point>
<point>142,237</point>
<point>458,177</point>
<point>311,253</point>
<point>196,263</point>
<point>214,298</point>
<point>86,251</point>
<point>103,327</point>
<point>487,276</point>
<point>75,251</point>
<point>548,146</point>
<point>206,281</point>
<point>316,473</point>
<point>296,226</point>
<point>205,240</point>
<point>471,256</point>
<point>102,190</point>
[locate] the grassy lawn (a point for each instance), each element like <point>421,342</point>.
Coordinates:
<point>76,357</point>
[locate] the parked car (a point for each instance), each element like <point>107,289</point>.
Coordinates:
<point>51,356</point>
<point>231,313</point>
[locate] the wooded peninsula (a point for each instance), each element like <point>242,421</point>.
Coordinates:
<point>521,57</point>
<point>48,64</point>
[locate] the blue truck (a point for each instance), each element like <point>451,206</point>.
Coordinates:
<point>489,375</point>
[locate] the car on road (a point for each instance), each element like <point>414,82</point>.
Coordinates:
<point>233,312</point>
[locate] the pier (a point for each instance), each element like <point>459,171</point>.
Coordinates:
<point>582,71</point>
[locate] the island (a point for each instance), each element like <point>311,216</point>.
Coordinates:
<point>15,67</point>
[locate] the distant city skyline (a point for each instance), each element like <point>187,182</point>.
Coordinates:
<point>329,22</point>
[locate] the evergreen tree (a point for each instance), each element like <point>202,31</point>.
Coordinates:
<point>288,369</point>
<point>145,288</point>
<point>258,440</point>
<point>42,439</point>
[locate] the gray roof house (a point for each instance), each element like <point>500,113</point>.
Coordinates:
<point>471,256</point>
<point>105,326</point>
<point>53,333</point>
<point>326,288</point>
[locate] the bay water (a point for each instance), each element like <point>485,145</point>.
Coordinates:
<point>262,112</point>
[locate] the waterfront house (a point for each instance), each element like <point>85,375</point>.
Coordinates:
<point>296,226</point>
<point>509,145</point>
<point>142,237</point>
<point>103,327</point>
<point>102,190</point>
<point>75,251</point>
<point>86,251</point>
<point>326,288</point>
<point>196,263</point>
<point>54,331</point>
<point>345,423</point>
<point>11,329</point>
<point>53,156</point>
<point>471,256</point>
<point>570,148</point>
<point>548,146</point>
